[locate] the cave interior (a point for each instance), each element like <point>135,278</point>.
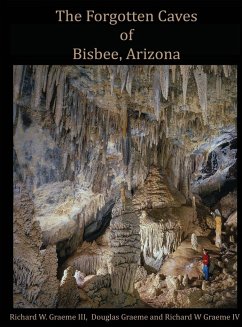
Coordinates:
<point>118,175</point>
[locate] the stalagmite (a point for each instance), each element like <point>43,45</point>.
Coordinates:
<point>185,280</point>
<point>194,242</point>
<point>79,276</point>
<point>125,244</point>
<point>68,294</point>
<point>34,279</point>
<point>218,229</point>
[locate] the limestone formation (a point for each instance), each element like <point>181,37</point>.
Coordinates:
<point>231,222</point>
<point>185,280</point>
<point>115,171</point>
<point>218,230</point>
<point>155,193</point>
<point>34,279</point>
<point>125,246</point>
<point>172,283</point>
<point>79,276</point>
<point>228,204</point>
<point>68,294</point>
<point>194,242</point>
<point>89,258</point>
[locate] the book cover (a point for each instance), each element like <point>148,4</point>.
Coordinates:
<point>122,201</point>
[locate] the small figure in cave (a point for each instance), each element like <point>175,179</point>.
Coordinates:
<point>218,227</point>
<point>194,242</point>
<point>206,264</point>
<point>123,197</point>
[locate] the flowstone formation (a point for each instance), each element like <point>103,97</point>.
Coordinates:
<point>35,283</point>
<point>118,171</point>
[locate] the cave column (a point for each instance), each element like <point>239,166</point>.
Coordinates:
<point>125,245</point>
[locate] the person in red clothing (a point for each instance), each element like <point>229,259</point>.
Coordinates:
<point>206,262</point>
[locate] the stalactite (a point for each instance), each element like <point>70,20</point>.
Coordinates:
<point>227,70</point>
<point>59,97</point>
<point>185,71</point>
<point>38,85</point>
<point>164,80</point>
<point>123,73</point>
<point>126,147</point>
<point>173,73</point>
<point>87,263</point>
<point>17,78</point>
<point>17,81</point>
<point>58,73</point>
<point>158,239</point>
<point>156,93</point>
<point>214,69</point>
<point>112,72</point>
<point>218,86</point>
<point>44,77</point>
<point>172,95</point>
<point>201,81</point>
<point>50,86</point>
<point>129,80</point>
<point>14,112</point>
<point>124,121</point>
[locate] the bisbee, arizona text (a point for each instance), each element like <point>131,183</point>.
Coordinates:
<point>144,54</point>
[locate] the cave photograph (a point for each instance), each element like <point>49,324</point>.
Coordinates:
<point>124,186</point>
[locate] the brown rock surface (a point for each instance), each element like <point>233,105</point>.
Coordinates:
<point>228,204</point>
<point>35,281</point>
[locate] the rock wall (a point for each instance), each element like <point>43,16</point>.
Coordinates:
<point>89,258</point>
<point>35,281</point>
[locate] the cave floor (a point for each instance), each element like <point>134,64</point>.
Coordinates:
<point>185,260</point>
<point>219,292</point>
